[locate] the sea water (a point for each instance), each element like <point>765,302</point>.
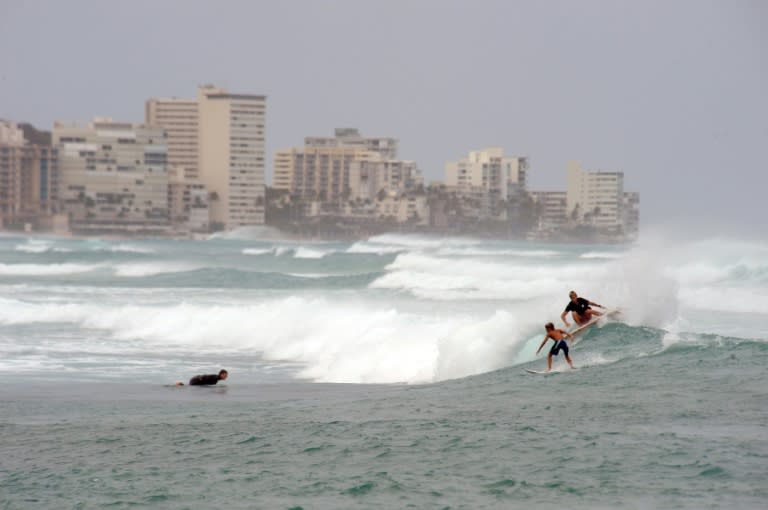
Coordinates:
<point>385,373</point>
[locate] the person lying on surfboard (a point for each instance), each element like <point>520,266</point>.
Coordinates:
<point>206,379</point>
<point>557,336</point>
<point>580,308</point>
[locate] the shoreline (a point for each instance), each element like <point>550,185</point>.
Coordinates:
<point>282,235</point>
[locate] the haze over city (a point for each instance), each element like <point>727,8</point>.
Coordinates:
<point>670,93</point>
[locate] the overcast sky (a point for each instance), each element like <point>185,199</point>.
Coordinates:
<point>674,93</point>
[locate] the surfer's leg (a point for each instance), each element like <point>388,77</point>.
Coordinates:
<point>564,346</point>
<point>549,362</point>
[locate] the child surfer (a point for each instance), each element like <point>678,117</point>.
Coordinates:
<point>557,336</point>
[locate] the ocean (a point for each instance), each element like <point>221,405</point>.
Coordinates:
<point>385,373</point>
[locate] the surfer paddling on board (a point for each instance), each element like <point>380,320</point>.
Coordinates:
<point>206,379</point>
<point>580,308</point>
<point>557,336</point>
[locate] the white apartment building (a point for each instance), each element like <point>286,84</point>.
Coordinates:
<point>404,209</point>
<point>113,175</point>
<point>595,197</point>
<point>231,155</point>
<point>369,176</point>
<point>489,177</point>
<point>10,133</point>
<point>488,169</point>
<point>552,210</point>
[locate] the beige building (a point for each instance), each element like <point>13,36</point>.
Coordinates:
<point>351,137</point>
<point>595,197</point>
<point>113,176</point>
<point>179,119</point>
<point>188,204</point>
<point>231,156</point>
<point>317,173</point>
<point>346,166</point>
<point>216,157</point>
<point>28,178</point>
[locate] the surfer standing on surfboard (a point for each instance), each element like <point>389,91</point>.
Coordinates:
<point>580,308</point>
<point>558,336</point>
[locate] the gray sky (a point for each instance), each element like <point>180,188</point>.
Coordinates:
<point>671,92</point>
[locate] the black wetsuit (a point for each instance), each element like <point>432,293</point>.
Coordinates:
<point>204,380</point>
<point>580,306</point>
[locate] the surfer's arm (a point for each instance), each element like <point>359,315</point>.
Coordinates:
<point>595,304</point>
<point>562,318</point>
<point>542,343</point>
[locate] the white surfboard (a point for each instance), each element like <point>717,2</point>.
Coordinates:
<point>581,329</point>
<point>553,371</point>
<point>540,372</point>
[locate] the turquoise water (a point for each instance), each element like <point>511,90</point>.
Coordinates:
<point>379,374</point>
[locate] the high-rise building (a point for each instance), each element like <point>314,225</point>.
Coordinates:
<point>231,158</point>
<point>491,180</point>
<point>113,175</point>
<point>595,197</point>
<point>216,157</point>
<point>187,194</point>
<point>551,210</point>
<point>179,119</point>
<point>346,166</point>
<point>490,170</point>
<point>370,176</point>
<point>28,177</point>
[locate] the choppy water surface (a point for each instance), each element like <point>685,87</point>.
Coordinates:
<point>379,374</point>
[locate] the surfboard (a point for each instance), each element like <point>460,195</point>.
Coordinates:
<point>581,329</point>
<point>544,372</point>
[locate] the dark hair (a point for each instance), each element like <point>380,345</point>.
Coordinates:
<point>223,371</point>
<point>549,325</point>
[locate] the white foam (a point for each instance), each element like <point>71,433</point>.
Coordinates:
<point>414,241</point>
<point>34,246</point>
<point>129,248</point>
<point>309,253</point>
<point>601,255</point>
<point>135,270</point>
<point>337,341</point>
<point>498,252</point>
<point>309,275</point>
<point>442,278</point>
<point>258,251</point>
<point>45,269</point>
<point>726,299</point>
<point>378,249</point>
<point>249,233</point>
<point>282,250</point>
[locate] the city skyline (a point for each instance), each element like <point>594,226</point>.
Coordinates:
<point>628,87</point>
